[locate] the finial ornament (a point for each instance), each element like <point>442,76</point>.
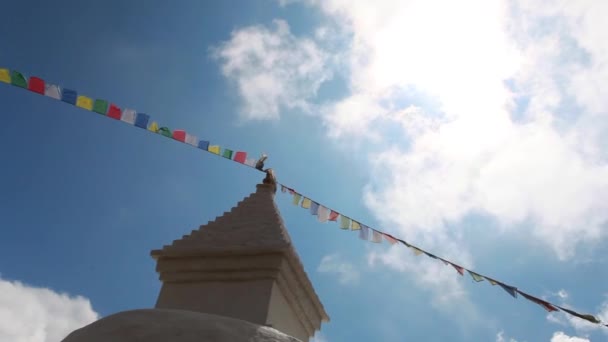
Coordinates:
<point>270,179</point>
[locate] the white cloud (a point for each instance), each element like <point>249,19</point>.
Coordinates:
<point>488,152</point>
<point>500,337</point>
<point>33,314</point>
<point>344,270</point>
<point>440,280</point>
<point>502,109</point>
<point>272,69</point>
<point>562,294</point>
<point>559,336</point>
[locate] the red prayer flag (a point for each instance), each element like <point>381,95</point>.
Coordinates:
<point>114,112</point>
<point>240,157</point>
<point>179,135</point>
<point>333,216</point>
<point>546,305</point>
<point>36,85</point>
<point>458,269</point>
<point>390,239</point>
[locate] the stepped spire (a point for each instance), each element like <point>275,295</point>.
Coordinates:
<point>242,265</point>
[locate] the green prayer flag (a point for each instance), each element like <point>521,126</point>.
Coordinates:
<point>344,222</point>
<point>100,106</point>
<point>227,154</point>
<point>296,198</point>
<point>165,131</point>
<point>476,276</point>
<point>17,79</point>
<point>587,317</point>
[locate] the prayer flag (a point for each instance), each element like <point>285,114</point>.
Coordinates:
<point>355,226</point>
<point>240,157</point>
<point>587,317</point>
<point>306,203</point>
<point>546,305</point>
<point>510,289</point>
<point>296,198</point>
<point>322,214</point>
<point>433,256</point>
<point>18,80</point>
<point>84,102</point>
<point>417,251</point>
<point>165,131</point>
<point>475,276</point>
<point>214,149</point>
<point>69,96</point>
<point>283,188</point>
<point>52,91</point>
<point>128,116</point>
<point>180,135</point>
<point>227,154</point>
<point>36,85</point>
<point>153,127</point>
<point>5,76</point>
<point>333,216</point>
<point>391,240</point>
<point>376,236</point>
<point>458,269</point>
<point>114,112</point>
<point>491,281</point>
<point>363,232</point>
<point>141,120</point>
<point>314,208</point>
<point>100,106</point>
<point>191,140</point>
<point>250,162</point>
<point>203,145</point>
<point>344,222</point>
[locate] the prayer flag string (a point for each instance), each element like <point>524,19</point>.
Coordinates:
<point>324,213</point>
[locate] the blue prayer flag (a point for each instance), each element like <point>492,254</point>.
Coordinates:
<point>203,145</point>
<point>314,208</point>
<point>510,289</point>
<point>69,96</point>
<point>141,120</point>
<point>364,232</point>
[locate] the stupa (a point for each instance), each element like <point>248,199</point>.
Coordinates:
<point>240,268</point>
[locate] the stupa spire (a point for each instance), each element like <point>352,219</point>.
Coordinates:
<point>242,265</point>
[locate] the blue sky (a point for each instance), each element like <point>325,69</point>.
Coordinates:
<point>481,142</point>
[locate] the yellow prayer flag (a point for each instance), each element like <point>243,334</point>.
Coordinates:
<point>417,252</point>
<point>492,281</point>
<point>84,102</point>
<point>153,127</point>
<point>214,149</point>
<point>355,226</point>
<point>306,202</point>
<point>5,76</point>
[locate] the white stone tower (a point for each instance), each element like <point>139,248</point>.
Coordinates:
<point>242,265</point>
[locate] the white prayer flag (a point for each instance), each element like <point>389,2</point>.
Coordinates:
<point>128,115</point>
<point>376,237</point>
<point>322,214</point>
<point>250,162</point>
<point>191,140</point>
<point>52,91</point>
